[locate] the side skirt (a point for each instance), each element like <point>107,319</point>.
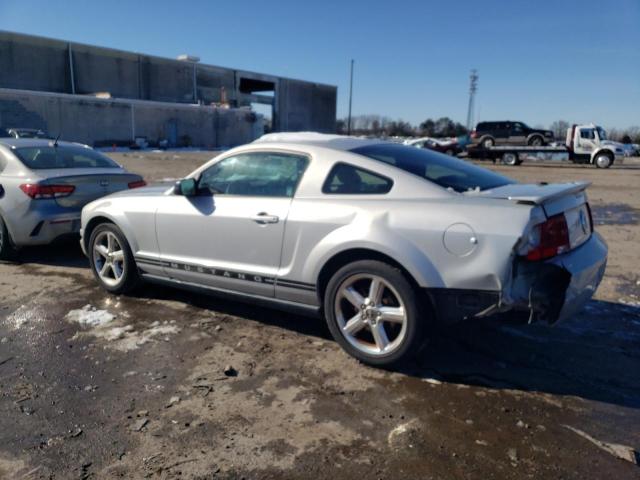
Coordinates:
<point>292,307</point>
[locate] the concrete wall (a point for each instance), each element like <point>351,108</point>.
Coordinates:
<point>105,121</point>
<point>48,65</point>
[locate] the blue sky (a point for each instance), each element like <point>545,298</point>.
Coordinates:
<point>538,61</point>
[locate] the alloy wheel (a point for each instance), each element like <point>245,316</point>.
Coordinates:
<point>108,258</point>
<point>370,314</point>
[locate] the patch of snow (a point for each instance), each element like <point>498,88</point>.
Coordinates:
<point>90,316</point>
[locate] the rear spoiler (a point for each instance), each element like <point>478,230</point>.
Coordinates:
<point>535,194</point>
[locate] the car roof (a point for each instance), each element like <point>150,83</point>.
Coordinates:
<point>11,142</point>
<point>326,140</point>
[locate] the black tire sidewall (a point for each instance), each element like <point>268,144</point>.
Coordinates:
<point>130,278</point>
<point>395,277</point>
<point>7,251</point>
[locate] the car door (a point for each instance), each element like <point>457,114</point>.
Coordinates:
<point>503,130</point>
<point>518,134</point>
<point>586,140</point>
<point>230,234</point>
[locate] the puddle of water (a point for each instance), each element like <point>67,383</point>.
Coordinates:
<point>615,214</point>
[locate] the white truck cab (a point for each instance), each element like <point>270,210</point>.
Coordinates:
<point>588,144</point>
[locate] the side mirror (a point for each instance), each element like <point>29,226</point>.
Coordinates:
<point>187,187</point>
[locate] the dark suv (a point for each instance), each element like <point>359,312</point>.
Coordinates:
<point>488,134</point>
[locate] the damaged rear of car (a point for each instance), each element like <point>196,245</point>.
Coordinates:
<point>560,260</point>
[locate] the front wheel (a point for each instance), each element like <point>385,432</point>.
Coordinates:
<point>536,141</point>
<point>372,311</point>
<point>111,259</point>
<point>603,160</point>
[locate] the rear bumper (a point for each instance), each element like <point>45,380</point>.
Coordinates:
<point>550,291</point>
<point>557,289</point>
<point>38,227</point>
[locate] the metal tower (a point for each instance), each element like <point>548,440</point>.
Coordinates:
<point>473,87</point>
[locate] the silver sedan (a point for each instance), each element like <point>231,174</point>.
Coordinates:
<point>43,186</point>
<point>382,239</point>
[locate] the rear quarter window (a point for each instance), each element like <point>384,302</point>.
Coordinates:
<point>351,180</point>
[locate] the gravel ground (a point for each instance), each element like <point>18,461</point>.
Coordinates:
<point>168,384</point>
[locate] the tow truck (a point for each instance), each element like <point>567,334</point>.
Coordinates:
<point>584,144</point>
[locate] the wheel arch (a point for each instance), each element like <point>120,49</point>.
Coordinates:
<point>606,151</point>
<point>338,259</point>
<point>101,218</point>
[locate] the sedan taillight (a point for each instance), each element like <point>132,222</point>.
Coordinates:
<point>137,184</point>
<point>549,238</point>
<point>38,191</point>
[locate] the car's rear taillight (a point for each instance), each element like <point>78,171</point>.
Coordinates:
<point>549,238</point>
<point>137,184</point>
<point>39,191</point>
<point>474,134</point>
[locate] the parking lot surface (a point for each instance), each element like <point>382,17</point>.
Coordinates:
<point>170,384</point>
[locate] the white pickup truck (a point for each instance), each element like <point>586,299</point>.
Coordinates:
<point>584,144</point>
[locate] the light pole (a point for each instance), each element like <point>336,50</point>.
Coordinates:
<point>350,99</point>
<point>473,87</point>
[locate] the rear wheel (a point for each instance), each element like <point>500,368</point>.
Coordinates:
<point>603,160</point>
<point>372,312</point>
<point>488,142</point>
<point>7,250</point>
<point>449,152</point>
<point>112,262</point>
<point>510,158</point>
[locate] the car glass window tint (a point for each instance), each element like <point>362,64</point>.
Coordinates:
<point>265,174</point>
<point>587,133</point>
<point>348,179</point>
<point>50,157</point>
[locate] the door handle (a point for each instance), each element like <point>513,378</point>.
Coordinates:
<point>263,218</point>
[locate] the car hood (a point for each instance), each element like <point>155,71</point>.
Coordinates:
<point>152,191</point>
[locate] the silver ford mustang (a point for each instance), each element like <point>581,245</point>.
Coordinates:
<point>44,184</point>
<point>384,239</point>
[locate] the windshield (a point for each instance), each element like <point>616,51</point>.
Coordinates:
<point>601,133</point>
<point>40,158</point>
<point>443,170</point>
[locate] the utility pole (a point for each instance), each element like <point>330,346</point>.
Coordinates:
<point>473,87</point>
<point>350,99</point>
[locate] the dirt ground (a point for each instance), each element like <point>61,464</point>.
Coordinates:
<point>146,394</point>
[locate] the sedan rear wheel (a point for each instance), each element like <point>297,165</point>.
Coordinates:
<point>112,262</point>
<point>372,312</point>
<point>7,251</point>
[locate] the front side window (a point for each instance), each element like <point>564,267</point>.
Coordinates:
<point>260,174</point>
<point>50,157</point>
<point>350,180</point>
<point>443,170</point>
<point>587,133</point>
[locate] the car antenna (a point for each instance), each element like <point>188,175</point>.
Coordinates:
<point>55,143</point>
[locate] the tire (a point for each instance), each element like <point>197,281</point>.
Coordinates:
<point>487,142</point>
<point>347,301</point>
<point>510,158</point>
<point>449,152</point>
<point>7,250</point>
<point>536,141</point>
<point>603,160</point>
<point>120,271</point>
